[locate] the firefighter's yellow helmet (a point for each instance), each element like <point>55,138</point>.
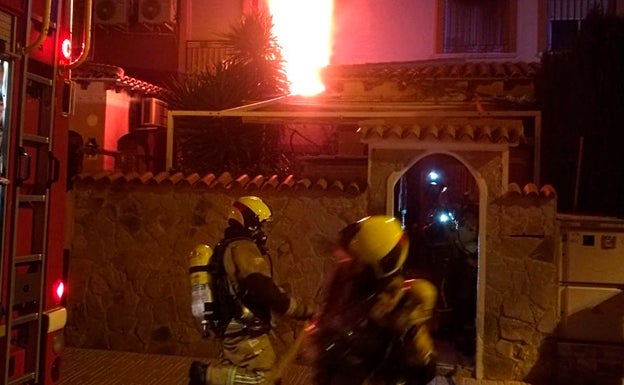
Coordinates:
<point>377,241</point>
<point>250,212</point>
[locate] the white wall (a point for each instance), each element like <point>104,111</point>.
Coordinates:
<point>211,17</point>
<point>372,31</point>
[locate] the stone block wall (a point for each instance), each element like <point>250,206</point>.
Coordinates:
<point>521,288</point>
<point>128,280</point>
<point>128,270</point>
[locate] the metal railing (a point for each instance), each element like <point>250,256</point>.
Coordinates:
<point>203,55</point>
<point>576,9</point>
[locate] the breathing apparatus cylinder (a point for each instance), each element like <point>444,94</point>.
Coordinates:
<point>201,295</point>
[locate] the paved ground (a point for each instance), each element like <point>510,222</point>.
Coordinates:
<point>105,367</point>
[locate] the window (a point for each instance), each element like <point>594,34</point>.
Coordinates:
<point>565,18</point>
<point>477,26</point>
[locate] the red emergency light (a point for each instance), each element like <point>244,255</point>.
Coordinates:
<point>58,290</point>
<point>66,49</point>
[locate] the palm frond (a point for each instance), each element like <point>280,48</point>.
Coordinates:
<point>255,71</point>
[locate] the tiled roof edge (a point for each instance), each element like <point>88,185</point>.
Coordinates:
<point>440,69</point>
<point>444,129</point>
<point>223,181</point>
<point>91,71</point>
<point>530,190</point>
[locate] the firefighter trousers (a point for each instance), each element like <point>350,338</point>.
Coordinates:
<point>245,360</point>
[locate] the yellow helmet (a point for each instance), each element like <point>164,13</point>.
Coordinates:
<point>250,212</point>
<point>377,241</point>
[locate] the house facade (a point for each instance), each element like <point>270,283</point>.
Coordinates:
<point>421,86</point>
<point>365,31</point>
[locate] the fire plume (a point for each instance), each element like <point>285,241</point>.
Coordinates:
<point>303,30</point>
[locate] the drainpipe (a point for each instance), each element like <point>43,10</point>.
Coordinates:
<point>45,27</point>
<point>87,37</point>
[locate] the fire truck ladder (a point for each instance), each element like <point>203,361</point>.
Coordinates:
<point>36,169</point>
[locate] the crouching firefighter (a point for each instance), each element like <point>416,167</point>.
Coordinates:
<point>372,327</point>
<point>237,307</point>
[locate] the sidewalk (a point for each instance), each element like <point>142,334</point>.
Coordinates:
<point>106,367</point>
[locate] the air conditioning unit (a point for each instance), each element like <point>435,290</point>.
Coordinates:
<point>156,11</point>
<point>153,113</point>
<point>110,11</point>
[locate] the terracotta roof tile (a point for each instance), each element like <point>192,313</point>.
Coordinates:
<point>531,190</point>
<point>190,179</point>
<point>223,181</point>
<point>303,184</point>
<point>321,184</point>
<point>159,178</point>
<point>289,182</point>
<point>435,69</point>
<point>336,185</point>
<point>193,178</point>
<point>174,179</point>
<point>146,177</point>
<point>208,179</point>
<point>479,130</point>
<point>465,133</point>
<point>548,191</point>
<point>137,85</point>
<point>117,176</point>
<point>115,76</point>
<point>529,195</point>
<point>353,188</point>
<point>241,181</point>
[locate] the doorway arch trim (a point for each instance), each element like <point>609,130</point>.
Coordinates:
<point>395,176</point>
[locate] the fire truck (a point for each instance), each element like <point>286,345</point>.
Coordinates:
<point>36,59</point>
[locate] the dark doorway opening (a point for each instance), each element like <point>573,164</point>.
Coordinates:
<point>437,201</point>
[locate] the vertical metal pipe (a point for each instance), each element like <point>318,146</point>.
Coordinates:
<point>45,27</point>
<point>87,36</point>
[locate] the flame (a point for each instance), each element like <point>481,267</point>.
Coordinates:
<point>303,30</point>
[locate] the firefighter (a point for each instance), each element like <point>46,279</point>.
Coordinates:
<point>373,325</point>
<point>247,355</point>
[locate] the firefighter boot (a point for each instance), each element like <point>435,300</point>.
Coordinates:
<point>197,373</point>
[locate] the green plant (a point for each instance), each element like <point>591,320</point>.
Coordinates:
<point>254,72</point>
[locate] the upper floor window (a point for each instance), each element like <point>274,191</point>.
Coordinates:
<point>565,18</point>
<point>477,26</point>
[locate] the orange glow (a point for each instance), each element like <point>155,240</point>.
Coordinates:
<point>303,30</point>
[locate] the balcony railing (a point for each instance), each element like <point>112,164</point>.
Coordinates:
<point>565,18</point>
<point>203,55</point>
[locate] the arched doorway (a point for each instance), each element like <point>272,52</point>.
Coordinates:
<point>437,199</point>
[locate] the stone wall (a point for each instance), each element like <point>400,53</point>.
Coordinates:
<point>129,286</point>
<point>521,288</point>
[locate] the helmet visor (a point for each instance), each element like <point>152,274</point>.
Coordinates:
<point>393,261</point>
